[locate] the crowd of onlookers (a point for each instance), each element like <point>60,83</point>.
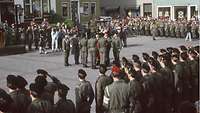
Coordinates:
<point>163,82</point>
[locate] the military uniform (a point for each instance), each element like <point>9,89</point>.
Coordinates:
<point>102,43</point>
<point>116,46</point>
<point>64,106</point>
<point>40,106</point>
<point>108,47</point>
<point>75,49</point>
<point>20,102</point>
<point>92,51</point>
<point>84,97</point>
<point>149,97</point>
<point>147,28</point>
<point>36,36</point>
<point>193,30</point>
<point>194,73</point>
<point>161,28</point>
<point>84,51</point>
<point>153,30</point>
<point>116,97</point>
<point>177,30</point>
<point>136,97</point>
<point>182,30</point>
<point>101,83</point>
<point>66,49</point>
<point>29,35</point>
<point>172,30</point>
<point>166,29</point>
<point>168,86</point>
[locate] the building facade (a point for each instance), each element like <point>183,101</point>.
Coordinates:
<point>120,7</point>
<point>7,11</point>
<point>146,8</point>
<point>175,9</point>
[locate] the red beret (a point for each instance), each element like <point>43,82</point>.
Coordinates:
<point>116,70</point>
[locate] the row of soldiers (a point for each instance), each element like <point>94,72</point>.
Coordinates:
<point>164,27</point>
<point>97,47</point>
<point>160,83</point>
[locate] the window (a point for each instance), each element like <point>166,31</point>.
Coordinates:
<point>45,6</point>
<point>86,8</point>
<point>93,8</point>
<point>65,9</point>
<point>27,10</point>
<point>36,8</point>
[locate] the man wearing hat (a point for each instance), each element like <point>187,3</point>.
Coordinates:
<point>116,46</point>
<point>116,95</point>
<point>49,87</point>
<point>84,93</point>
<point>136,93</point>
<point>84,50</point>
<point>102,43</point>
<point>20,99</point>
<point>38,104</point>
<point>148,84</point>
<point>92,42</point>
<point>64,105</point>
<point>167,73</point>
<point>101,82</point>
<point>66,49</point>
<point>75,48</point>
<point>23,94</point>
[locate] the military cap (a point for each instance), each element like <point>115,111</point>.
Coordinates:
<point>81,73</point>
<point>183,48</point>
<point>175,57</point>
<point>42,72</point>
<point>152,62</point>
<point>5,101</point>
<point>36,89</point>
<point>192,52</point>
<point>163,51</point>
<point>145,56</point>
<point>116,70</point>
<point>135,57</point>
<point>145,67</point>
<point>175,51</point>
<point>184,55</point>
<point>41,80</point>
<point>63,87</point>
<point>170,49</point>
<point>12,81</point>
<point>154,54</point>
<point>21,82</point>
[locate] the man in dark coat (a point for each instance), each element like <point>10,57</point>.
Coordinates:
<point>38,105</point>
<point>64,105</point>
<point>136,93</point>
<point>66,49</point>
<point>84,94</point>
<point>5,101</point>
<point>75,48</point>
<point>101,83</point>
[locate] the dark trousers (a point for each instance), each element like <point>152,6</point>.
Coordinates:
<point>66,57</point>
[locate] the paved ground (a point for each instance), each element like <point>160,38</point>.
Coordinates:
<point>27,64</point>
